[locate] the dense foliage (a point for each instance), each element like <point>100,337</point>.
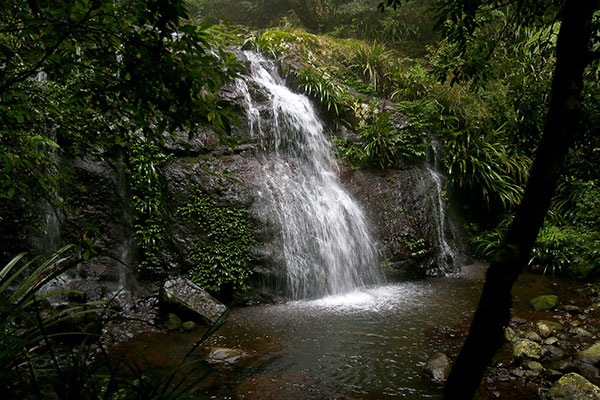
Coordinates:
<point>482,92</point>
<point>223,261</point>
<point>84,77</point>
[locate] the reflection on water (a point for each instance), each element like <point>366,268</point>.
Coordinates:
<point>367,344</point>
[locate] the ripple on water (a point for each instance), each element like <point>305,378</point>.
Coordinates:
<point>365,344</point>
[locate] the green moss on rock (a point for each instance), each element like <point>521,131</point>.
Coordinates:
<point>528,350</point>
<point>573,387</point>
<point>545,302</point>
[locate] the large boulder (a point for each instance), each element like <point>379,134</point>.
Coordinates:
<point>187,294</point>
<point>573,387</point>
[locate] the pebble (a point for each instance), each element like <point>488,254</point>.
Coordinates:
<point>551,340</point>
<point>571,309</point>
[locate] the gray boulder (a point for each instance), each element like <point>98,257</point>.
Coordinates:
<point>187,294</point>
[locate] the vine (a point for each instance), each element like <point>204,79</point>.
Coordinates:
<point>143,164</point>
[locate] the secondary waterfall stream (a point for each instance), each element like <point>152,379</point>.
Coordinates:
<point>327,245</point>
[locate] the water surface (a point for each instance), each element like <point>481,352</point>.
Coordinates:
<point>367,344</point>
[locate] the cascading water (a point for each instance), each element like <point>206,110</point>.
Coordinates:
<point>447,255</point>
<point>327,245</point>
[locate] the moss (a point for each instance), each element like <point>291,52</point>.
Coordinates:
<point>529,350</point>
<point>546,302</point>
<point>573,387</point>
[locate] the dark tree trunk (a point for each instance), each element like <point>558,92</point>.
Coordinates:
<point>486,334</point>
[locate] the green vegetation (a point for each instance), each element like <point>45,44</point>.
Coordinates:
<point>486,108</point>
<point>319,84</point>
<point>144,161</point>
<point>109,79</point>
<point>59,354</point>
<point>223,260</point>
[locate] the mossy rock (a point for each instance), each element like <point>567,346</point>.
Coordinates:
<point>510,334</point>
<point>591,355</point>
<point>545,302</point>
<point>573,387</point>
<point>189,325</point>
<point>173,322</point>
<point>546,328</point>
<point>528,350</point>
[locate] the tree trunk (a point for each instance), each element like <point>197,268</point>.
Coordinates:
<point>486,333</point>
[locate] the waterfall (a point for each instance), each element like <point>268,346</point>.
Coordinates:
<point>447,258</point>
<point>327,244</point>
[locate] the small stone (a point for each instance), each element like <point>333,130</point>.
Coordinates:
<point>571,309</point>
<point>510,334</point>
<point>437,367</point>
<point>173,322</point>
<point>518,372</point>
<point>545,328</point>
<point>591,355</point>
<point>529,350</point>
<point>189,325</point>
<point>552,375</point>
<point>531,373</point>
<point>503,377</point>
<point>588,291</point>
<point>551,340</point>
<point>518,321</point>
<point>580,332</point>
<point>223,355</point>
<point>533,366</point>
<point>573,387</point>
<point>545,302</point>
<point>576,323</point>
<point>534,337</point>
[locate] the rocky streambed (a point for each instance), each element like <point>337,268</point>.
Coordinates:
<point>552,348</point>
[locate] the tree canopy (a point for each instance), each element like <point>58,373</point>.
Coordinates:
<point>83,76</point>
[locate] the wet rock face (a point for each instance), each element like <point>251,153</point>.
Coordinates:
<point>397,202</point>
<point>230,177</point>
<point>400,207</point>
